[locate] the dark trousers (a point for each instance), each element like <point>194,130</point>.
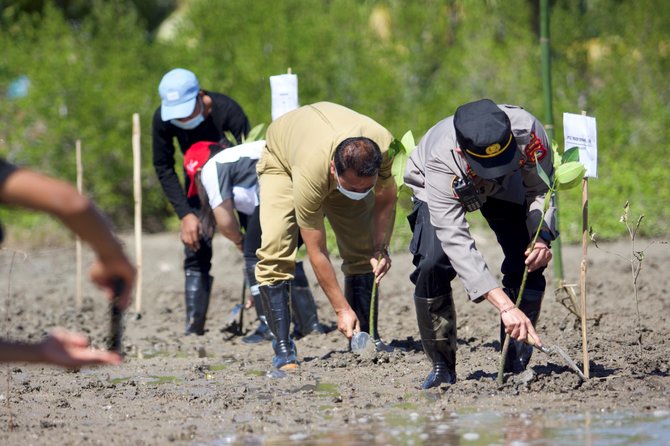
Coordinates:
<point>433,271</point>
<point>200,260</point>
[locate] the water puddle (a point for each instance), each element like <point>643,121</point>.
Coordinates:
<point>406,427</point>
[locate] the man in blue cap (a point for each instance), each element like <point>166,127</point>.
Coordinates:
<point>190,114</point>
<point>482,158</point>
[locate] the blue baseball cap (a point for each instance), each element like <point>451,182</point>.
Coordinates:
<point>178,89</point>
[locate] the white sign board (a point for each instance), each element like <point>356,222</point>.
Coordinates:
<point>580,131</point>
<point>284,94</point>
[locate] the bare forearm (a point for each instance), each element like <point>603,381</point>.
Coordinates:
<point>41,193</point>
<point>325,274</point>
<point>13,351</point>
<point>499,299</point>
<point>228,225</point>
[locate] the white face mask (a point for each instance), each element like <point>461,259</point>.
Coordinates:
<point>191,123</point>
<point>351,194</point>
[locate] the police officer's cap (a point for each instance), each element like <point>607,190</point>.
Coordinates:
<point>485,137</point>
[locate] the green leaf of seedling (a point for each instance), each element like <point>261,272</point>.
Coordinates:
<point>557,156</point>
<point>230,137</point>
<point>408,142</point>
<point>570,174</point>
<point>256,133</point>
<point>395,147</point>
<point>572,154</point>
<point>543,175</point>
<point>400,151</point>
<point>398,169</point>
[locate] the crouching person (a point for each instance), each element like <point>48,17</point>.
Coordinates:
<point>227,186</point>
<point>484,157</point>
<point>324,161</point>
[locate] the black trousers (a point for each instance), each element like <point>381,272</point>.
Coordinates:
<point>433,272</point>
<point>200,260</point>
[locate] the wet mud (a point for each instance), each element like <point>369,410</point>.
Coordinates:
<point>215,389</point>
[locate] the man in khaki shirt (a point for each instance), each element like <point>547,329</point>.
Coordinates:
<point>324,161</point>
<point>484,157</point>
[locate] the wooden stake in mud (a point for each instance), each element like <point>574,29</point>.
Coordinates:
<point>137,190</point>
<point>80,186</point>
<point>582,269</point>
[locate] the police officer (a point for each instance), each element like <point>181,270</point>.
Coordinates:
<point>227,185</point>
<point>484,157</point>
<point>324,161</point>
<point>189,115</point>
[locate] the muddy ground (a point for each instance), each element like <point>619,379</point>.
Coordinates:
<point>214,389</point>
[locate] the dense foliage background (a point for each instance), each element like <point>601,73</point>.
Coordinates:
<point>92,64</point>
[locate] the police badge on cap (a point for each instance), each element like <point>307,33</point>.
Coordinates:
<point>485,136</point>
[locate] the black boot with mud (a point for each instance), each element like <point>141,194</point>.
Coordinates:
<point>436,319</point>
<point>197,289</point>
<point>303,306</point>
<point>262,332</point>
<point>275,300</point>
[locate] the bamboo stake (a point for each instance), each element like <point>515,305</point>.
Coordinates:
<point>137,192</point>
<point>583,267</point>
<point>80,186</point>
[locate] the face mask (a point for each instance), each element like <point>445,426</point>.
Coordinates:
<point>191,123</point>
<point>351,194</point>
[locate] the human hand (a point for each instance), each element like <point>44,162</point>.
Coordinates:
<point>518,326</point>
<point>69,349</point>
<point>381,263</point>
<point>539,257</point>
<point>191,228</point>
<point>106,271</point>
<point>347,322</point>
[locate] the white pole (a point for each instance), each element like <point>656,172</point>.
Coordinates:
<point>80,181</point>
<point>137,190</point>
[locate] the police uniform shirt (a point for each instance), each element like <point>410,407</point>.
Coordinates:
<point>434,166</point>
<point>231,174</point>
<point>303,142</point>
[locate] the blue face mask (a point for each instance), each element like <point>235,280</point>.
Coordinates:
<point>191,123</point>
<point>351,194</point>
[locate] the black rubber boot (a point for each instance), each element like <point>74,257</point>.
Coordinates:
<point>276,307</point>
<point>358,291</point>
<point>197,290</point>
<point>519,353</point>
<point>437,325</point>
<point>262,332</point>
<point>303,307</point>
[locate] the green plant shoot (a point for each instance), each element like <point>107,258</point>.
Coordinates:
<point>399,152</point>
<point>568,173</point>
<point>255,134</point>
